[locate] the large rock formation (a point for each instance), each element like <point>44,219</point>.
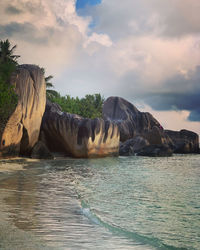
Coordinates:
<point>23,126</point>
<point>77,136</point>
<point>184,141</point>
<point>132,122</point>
<point>140,128</point>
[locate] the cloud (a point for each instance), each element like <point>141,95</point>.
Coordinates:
<point>173,18</point>
<point>194,115</point>
<point>174,120</point>
<point>99,38</point>
<point>26,31</point>
<point>12,10</point>
<point>178,93</point>
<point>48,33</point>
<point>144,51</point>
<point>179,17</point>
<point>155,53</point>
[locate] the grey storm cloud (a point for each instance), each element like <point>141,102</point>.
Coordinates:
<point>12,10</point>
<point>25,31</point>
<point>177,93</point>
<point>12,26</point>
<point>21,21</point>
<point>24,6</point>
<point>176,101</point>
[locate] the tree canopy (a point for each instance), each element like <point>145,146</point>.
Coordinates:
<point>89,107</point>
<point>8,63</point>
<point>6,52</point>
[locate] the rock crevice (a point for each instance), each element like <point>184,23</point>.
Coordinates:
<point>23,126</point>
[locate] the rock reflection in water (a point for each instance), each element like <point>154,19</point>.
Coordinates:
<point>42,200</point>
<point>22,200</point>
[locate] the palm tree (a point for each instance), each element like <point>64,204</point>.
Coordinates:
<point>48,83</point>
<point>47,79</point>
<point>8,61</point>
<point>6,52</point>
<point>50,93</point>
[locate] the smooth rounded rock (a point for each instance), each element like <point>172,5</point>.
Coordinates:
<point>155,151</point>
<point>184,141</point>
<point>22,129</point>
<point>131,146</point>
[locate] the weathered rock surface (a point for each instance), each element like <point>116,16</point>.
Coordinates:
<point>23,127</point>
<point>77,136</point>
<point>130,120</point>
<point>155,151</point>
<point>184,141</point>
<point>157,135</point>
<point>40,151</point>
<point>133,124</point>
<point>131,146</point>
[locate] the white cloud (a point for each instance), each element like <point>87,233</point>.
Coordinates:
<point>154,59</point>
<point>98,38</point>
<point>173,18</point>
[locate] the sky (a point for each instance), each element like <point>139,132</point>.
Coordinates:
<point>146,51</point>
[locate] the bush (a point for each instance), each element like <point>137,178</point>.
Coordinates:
<point>8,100</point>
<point>89,107</point>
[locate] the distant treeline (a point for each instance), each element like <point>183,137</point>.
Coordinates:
<point>90,106</point>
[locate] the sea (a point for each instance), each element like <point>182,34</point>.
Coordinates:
<point>109,203</point>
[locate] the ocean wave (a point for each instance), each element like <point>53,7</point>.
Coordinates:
<point>141,239</point>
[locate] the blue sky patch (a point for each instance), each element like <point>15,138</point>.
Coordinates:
<point>80,4</point>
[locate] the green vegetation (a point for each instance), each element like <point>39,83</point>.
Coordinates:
<point>50,93</point>
<point>8,63</point>
<point>8,100</point>
<point>89,107</point>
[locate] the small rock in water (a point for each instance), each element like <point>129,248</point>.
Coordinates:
<point>130,147</point>
<point>155,151</point>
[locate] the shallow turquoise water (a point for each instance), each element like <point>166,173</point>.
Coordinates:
<point>150,200</point>
<point>110,203</point>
